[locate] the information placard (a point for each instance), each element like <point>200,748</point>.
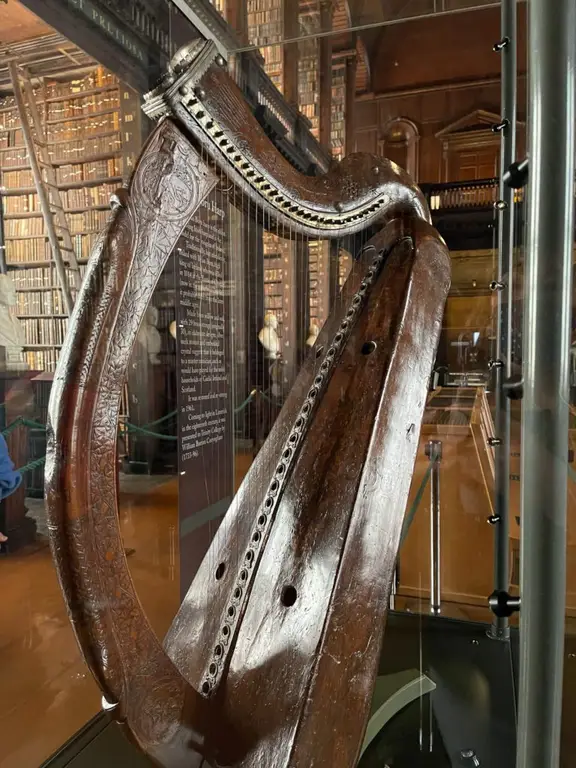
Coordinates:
<point>205,432</point>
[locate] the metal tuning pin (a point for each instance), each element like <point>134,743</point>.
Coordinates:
<point>499,127</point>
<point>493,519</point>
<point>501,44</point>
<point>493,442</point>
<point>496,285</point>
<point>500,205</point>
<point>493,364</point>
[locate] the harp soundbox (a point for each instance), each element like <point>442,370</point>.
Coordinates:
<point>271,660</point>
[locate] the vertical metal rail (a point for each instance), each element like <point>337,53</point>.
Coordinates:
<point>434,453</point>
<point>548,292</point>
<point>504,285</point>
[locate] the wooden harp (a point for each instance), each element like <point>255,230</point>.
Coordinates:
<point>271,660</point>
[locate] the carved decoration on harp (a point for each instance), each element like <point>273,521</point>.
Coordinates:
<point>283,621</point>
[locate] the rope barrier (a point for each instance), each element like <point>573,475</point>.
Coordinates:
<point>32,465</point>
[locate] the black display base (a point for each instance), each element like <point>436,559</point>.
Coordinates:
<point>471,716</point>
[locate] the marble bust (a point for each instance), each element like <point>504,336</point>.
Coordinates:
<point>313,332</point>
<point>149,336</point>
<point>268,336</point>
<point>12,336</point>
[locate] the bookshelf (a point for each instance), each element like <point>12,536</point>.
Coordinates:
<point>85,125</point>
<point>319,268</point>
<point>309,65</point>
<point>338,128</point>
<point>265,27</point>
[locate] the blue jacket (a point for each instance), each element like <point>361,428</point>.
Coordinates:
<point>9,478</point>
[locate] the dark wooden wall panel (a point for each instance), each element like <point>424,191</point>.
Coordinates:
<point>435,72</point>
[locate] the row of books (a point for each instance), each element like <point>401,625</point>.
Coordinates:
<point>87,197</point>
<point>24,227</point>
<point>41,277</point>
<point>76,150</point>
<point>42,359</point>
<point>78,224</point>
<point>38,249</point>
<point>83,105</point>
<point>44,330</point>
<point>11,138</point>
<point>80,129</point>
<point>40,303</point>
<point>99,78</point>
<point>97,169</point>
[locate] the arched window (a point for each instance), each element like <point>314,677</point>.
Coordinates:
<point>399,143</point>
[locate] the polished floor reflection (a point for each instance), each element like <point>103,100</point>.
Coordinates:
<point>47,692</point>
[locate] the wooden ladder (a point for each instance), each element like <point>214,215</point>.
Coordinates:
<point>46,183</point>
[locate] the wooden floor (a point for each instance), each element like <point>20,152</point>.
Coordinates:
<point>46,692</point>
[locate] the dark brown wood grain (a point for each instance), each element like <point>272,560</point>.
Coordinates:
<point>276,672</point>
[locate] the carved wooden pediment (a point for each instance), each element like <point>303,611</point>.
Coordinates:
<point>480,120</point>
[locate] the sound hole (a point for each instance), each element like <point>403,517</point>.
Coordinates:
<point>220,571</point>
<point>289,596</point>
<point>368,347</point>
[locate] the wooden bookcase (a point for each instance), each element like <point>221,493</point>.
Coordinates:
<point>90,126</point>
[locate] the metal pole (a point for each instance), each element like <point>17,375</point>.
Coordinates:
<point>40,189</point>
<point>434,453</point>
<point>548,291</point>
<point>505,285</point>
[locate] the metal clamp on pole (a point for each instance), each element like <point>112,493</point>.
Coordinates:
<point>516,176</point>
<point>434,453</point>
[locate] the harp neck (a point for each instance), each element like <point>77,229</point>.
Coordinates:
<point>362,191</point>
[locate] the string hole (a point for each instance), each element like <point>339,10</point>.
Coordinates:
<point>319,351</point>
<point>269,502</point>
<point>356,301</point>
<point>289,596</point>
<point>220,571</point>
<point>338,338</point>
<point>368,347</point>
<point>344,325</point>
<point>293,438</point>
<point>243,576</point>
<point>331,352</point>
<point>218,651</point>
<point>306,409</point>
<point>231,612</point>
<point>313,392</point>
<point>287,453</point>
<point>237,593</point>
<point>226,631</point>
<point>325,367</point>
<point>206,687</point>
<point>280,469</point>
<point>299,424</point>
<point>212,669</point>
<point>350,313</point>
<point>256,537</point>
<point>249,556</point>
<point>318,380</point>
<point>262,520</point>
<point>275,485</point>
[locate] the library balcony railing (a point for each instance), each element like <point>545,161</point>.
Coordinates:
<point>480,194</point>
